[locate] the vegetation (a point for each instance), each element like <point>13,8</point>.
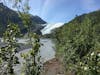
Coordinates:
<point>7,53</point>
<point>32,64</point>
<point>8,59</point>
<point>78,42</point>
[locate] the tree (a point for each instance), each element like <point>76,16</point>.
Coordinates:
<point>7,54</point>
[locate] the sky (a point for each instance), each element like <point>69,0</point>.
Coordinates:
<point>62,11</point>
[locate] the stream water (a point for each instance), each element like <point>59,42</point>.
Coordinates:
<point>47,52</point>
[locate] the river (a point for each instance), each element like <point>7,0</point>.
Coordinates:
<point>47,52</point>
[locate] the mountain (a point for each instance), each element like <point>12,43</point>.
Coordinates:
<point>8,15</point>
<point>78,43</point>
<point>84,27</point>
<point>49,27</point>
<point>79,21</point>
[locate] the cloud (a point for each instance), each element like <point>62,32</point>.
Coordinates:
<point>48,5</point>
<point>52,9</point>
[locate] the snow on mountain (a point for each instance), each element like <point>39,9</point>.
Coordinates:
<point>50,27</point>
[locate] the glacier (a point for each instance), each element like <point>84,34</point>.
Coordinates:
<point>49,27</point>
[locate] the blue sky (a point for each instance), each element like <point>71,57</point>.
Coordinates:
<point>54,11</point>
<point>61,11</point>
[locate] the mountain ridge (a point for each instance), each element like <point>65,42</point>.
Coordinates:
<point>7,14</point>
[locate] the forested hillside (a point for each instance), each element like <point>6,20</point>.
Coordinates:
<point>78,42</point>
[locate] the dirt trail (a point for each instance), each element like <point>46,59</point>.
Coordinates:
<point>53,67</point>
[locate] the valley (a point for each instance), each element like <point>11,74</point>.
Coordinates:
<point>49,37</point>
